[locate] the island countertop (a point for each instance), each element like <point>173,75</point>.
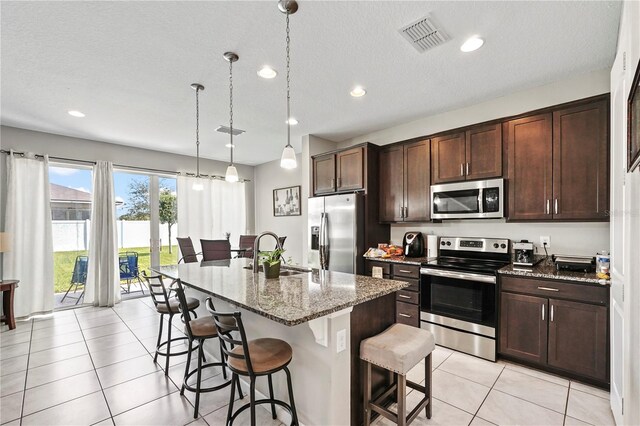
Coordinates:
<point>291,299</point>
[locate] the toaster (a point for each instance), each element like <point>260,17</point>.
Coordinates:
<point>413,244</point>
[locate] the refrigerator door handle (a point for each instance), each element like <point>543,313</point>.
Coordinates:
<point>324,242</point>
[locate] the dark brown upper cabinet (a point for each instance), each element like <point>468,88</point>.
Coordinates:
<point>558,164</point>
<point>345,170</point>
<point>581,162</point>
<point>324,174</point>
<point>472,154</point>
<point>404,182</point>
<point>350,169</point>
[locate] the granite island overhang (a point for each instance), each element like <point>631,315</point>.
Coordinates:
<point>323,315</point>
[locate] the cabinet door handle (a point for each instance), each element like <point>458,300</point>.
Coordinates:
<point>404,296</point>
<point>551,314</point>
<point>461,169</point>
<point>548,289</point>
<point>339,182</point>
<point>333,183</point>
<point>555,206</point>
<point>406,212</point>
<point>404,270</point>
<point>467,169</point>
<point>401,212</point>
<point>404,315</point>
<point>548,209</point>
<point>542,312</point>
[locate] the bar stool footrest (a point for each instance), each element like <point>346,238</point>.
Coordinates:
<point>210,389</point>
<point>175,339</point>
<point>259,402</point>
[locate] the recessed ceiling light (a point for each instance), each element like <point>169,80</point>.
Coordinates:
<point>267,72</point>
<point>75,113</point>
<point>472,43</point>
<point>292,121</point>
<point>230,146</point>
<point>358,92</point>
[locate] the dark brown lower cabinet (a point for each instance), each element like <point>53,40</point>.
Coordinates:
<point>565,332</point>
<point>578,338</point>
<point>523,327</point>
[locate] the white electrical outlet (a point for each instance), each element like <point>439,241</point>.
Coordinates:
<point>341,343</point>
<point>545,239</point>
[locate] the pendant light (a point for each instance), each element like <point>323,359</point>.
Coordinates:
<point>288,159</point>
<point>197,185</point>
<point>232,173</point>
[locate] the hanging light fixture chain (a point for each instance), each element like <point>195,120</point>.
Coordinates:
<point>231,107</point>
<point>288,85</point>
<point>197,133</point>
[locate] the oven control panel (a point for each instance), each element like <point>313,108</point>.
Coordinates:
<point>487,245</point>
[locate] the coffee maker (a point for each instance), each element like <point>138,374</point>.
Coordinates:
<point>413,244</point>
<point>523,253</point>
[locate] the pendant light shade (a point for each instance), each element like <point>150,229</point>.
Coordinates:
<point>232,174</point>
<point>197,185</point>
<point>288,159</point>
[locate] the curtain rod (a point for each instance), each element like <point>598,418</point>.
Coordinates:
<point>123,166</point>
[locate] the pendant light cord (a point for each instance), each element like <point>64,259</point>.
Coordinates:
<point>197,133</point>
<point>231,107</point>
<point>288,88</point>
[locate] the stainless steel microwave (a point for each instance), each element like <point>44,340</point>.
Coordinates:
<point>482,199</point>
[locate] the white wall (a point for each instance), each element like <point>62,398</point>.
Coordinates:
<point>90,150</point>
<point>270,176</point>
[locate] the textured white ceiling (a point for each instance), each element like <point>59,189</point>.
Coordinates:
<point>128,66</point>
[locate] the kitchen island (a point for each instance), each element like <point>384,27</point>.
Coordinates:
<point>323,315</point>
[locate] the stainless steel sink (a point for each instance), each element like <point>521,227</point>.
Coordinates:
<point>286,271</point>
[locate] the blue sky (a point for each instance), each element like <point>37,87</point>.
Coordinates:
<point>80,178</point>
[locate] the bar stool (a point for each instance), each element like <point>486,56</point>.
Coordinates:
<point>397,349</point>
<point>200,330</point>
<point>253,358</point>
<point>166,305</point>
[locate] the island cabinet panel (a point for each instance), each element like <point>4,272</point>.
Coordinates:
<point>484,152</point>
<point>404,182</point>
<point>523,327</point>
<point>578,338</point>
<point>391,184</point>
<point>581,162</point>
<point>350,169</point>
<point>448,158</point>
<point>324,174</point>
<point>529,143</point>
<point>556,325</point>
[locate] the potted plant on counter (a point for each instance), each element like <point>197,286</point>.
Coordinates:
<point>271,262</point>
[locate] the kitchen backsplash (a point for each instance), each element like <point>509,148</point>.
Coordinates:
<point>582,238</point>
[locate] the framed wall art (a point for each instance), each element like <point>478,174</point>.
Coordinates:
<point>286,201</point>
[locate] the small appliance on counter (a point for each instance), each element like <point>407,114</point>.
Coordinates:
<point>574,263</point>
<point>432,246</point>
<point>523,253</point>
<point>413,244</point>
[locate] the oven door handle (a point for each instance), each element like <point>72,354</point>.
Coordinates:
<point>489,279</point>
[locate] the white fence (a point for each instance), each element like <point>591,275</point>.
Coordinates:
<point>71,235</point>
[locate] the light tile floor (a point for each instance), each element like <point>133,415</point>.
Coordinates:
<point>95,366</point>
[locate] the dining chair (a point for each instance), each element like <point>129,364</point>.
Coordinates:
<point>246,242</point>
<point>188,252</point>
<point>215,249</point>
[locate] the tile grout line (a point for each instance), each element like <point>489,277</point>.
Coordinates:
<point>487,395</point>
<point>26,375</point>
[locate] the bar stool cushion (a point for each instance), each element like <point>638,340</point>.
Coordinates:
<point>202,327</point>
<point>266,355</point>
<point>399,348</point>
<point>174,305</point>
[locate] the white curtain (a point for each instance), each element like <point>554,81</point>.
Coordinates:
<point>103,276</point>
<point>28,223</point>
<point>220,207</point>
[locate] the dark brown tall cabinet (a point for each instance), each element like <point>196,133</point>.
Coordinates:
<point>558,163</point>
<point>475,153</point>
<point>404,182</point>
<point>557,325</point>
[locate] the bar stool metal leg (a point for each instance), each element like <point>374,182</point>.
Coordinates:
<point>252,396</point>
<point>155,357</point>
<point>273,406</point>
<point>166,363</point>
<point>291,401</point>
<point>427,383</point>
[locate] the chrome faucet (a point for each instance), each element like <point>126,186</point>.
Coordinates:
<point>256,245</point>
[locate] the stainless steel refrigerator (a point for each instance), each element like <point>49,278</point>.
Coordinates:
<point>336,225</point>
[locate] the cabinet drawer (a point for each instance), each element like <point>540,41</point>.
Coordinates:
<point>407,313</point>
<point>415,284</point>
<point>406,271</point>
<point>557,289</point>
<point>407,297</point>
<point>369,264</point>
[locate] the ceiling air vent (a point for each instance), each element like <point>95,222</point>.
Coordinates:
<point>424,34</point>
<point>227,130</point>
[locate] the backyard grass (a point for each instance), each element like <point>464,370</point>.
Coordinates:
<point>65,260</point>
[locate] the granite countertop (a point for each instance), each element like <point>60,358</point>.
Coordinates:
<point>401,259</point>
<point>548,271</point>
<point>290,300</point>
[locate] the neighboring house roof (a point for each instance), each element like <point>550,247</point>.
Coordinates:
<point>66,194</point>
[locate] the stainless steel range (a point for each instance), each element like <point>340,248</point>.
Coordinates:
<point>459,293</point>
